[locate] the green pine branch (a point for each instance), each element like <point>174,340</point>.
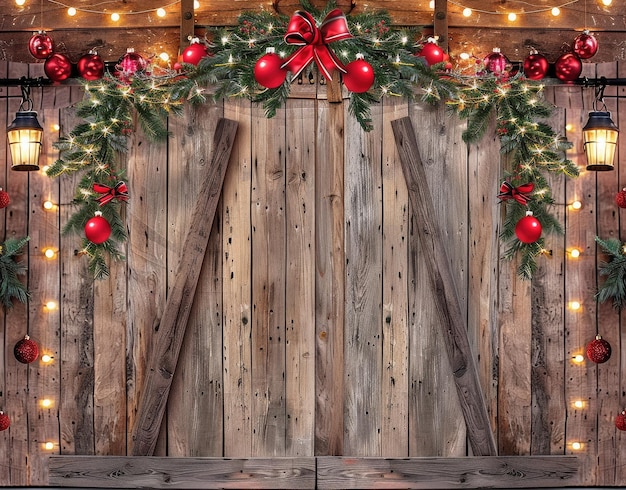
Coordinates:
<point>10,269</point>
<point>614,286</point>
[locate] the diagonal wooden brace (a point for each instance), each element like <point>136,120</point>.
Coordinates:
<point>453,323</point>
<point>164,358</point>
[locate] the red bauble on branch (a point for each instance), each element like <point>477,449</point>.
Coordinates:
<point>97,229</point>
<point>431,52</point>
<point>536,66</point>
<point>585,45</point>
<point>496,62</point>
<point>58,67</point>
<point>620,198</point>
<point>568,67</point>
<point>5,200</point>
<point>193,53</point>
<point>267,70</point>
<point>90,66</point>
<point>528,229</point>
<point>620,420</point>
<point>359,76</point>
<point>26,351</point>
<point>40,45</point>
<point>5,421</point>
<point>129,64</point>
<point>598,350</point>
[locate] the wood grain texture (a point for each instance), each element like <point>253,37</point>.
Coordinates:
<point>187,473</point>
<point>441,280</point>
<point>162,364</point>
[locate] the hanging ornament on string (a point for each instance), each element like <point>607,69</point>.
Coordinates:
<point>598,350</point>
<point>26,350</point>
<point>585,45</point>
<point>432,52</point>
<point>40,45</point>
<point>359,76</point>
<point>496,63</point>
<point>620,420</point>
<point>193,53</point>
<point>528,229</point>
<point>536,65</point>
<point>5,421</point>
<point>620,198</point>
<point>268,71</point>
<point>568,67</point>
<point>130,64</point>
<point>5,200</point>
<point>57,67</point>
<point>90,66</point>
<point>97,229</point>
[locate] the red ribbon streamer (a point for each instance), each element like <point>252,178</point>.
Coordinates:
<point>120,192</point>
<point>520,193</point>
<point>302,31</point>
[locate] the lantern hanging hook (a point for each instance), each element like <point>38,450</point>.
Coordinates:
<point>27,103</point>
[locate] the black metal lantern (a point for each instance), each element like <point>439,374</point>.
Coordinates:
<point>600,141</point>
<point>25,135</point>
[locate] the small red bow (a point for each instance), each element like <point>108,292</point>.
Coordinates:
<point>302,31</point>
<point>520,193</point>
<point>120,191</point>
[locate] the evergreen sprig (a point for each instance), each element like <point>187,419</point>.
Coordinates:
<point>614,286</point>
<point>10,268</point>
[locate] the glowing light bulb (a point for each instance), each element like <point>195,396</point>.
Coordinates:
<point>577,446</point>
<point>46,358</point>
<point>115,16</point>
<point>20,2</point>
<point>164,56</point>
<point>556,11</point>
<point>574,253</point>
<point>46,403</point>
<point>577,205</point>
<point>49,446</point>
<point>160,12</point>
<point>569,127</point>
<point>49,253</point>
<point>606,3</point>
<point>196,4</point>
<point>431,4</point>
<point>464,56</point>
<point>71,11</point>
<point>48,205</point>
<point>51,305</point>
<point>467,12</point>
<point>579,404</point>
<point>574,305</point>
<point>578,358</point>
<point>512,17</point>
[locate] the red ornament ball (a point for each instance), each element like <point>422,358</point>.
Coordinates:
<point>97,229</point>
<point>496,62</point>
<point>268,71</point>
<point>26,351</point>
<point>359,76</point>
<point>5,200</point>
<point>90,66</point>
<point>193,53</point>
<point>5,421</point>
<point>598,350</point>
<point>620,198</point>
<point>620,420</point>
<point>432,53</point>
<point>528,229</point>
<point>58,67</point>
<point>40,45</point>
<point>130,64</point>
<point>568,67</point>
<point>536,66</point>
<point>585,45</point>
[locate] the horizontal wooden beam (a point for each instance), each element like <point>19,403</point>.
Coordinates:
<point>324,472</point>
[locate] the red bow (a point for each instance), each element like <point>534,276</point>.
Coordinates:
<point>302,31</point>
<point>520,193</point>
<point>120,191</point>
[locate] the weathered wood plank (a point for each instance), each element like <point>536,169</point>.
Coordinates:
<point>441,280</point>
<point>188,473</point>
<point>329,279</point>
<point>363,315</point>
<point>300,279</point>
<point>429,473</point>
<point>162,364</point>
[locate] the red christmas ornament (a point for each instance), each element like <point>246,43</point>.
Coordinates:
<point>90,66</point>
<point>97,229</point>
<point>620,420</point>
<point>193,53</point>
<point>268,71</point>
<point>4,199</point>
<point>431,52</point>
<point>496,62</point>
<point>528,229</point>
<point>568,67</point>
<point>536,66</point>
<point>359,76</point>
<point>26,351</point>
<point>40,45</point>
<point>58,67</point>
<point>620,198</point>
<point>129,64</point>
<point>598,350</point>
<point>5,421</point>
<point>585,45</point>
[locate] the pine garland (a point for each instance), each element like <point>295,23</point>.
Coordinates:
<point>614,287</point>
<point>10,268</point>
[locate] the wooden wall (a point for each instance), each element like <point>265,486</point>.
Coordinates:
<point>312,330</point>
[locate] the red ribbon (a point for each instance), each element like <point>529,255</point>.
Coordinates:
<point>520,193</point>
<point>120,192</point>
<point>302,31</point>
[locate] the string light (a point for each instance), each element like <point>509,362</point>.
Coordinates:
<point>512,16</point>
<point>160,12</point>
<point>607,2</point>
<point>576,205</point>
<point>71,11</point>
<point>49,253</point>
<point>51,305</point>
<point>575,305</point>
<point>578,359</point>
<point>196,4</point>
<point>467,12</point>
<point>49,206</point>
<point>20,2</point>
<point>577,446</point>
<point>46,358</point>
<point>104,12</point>
<point>574,253</point>
<point>49,446</point>
<point>115,16</point>
<point>556,11</point>
<point>578,404</point>
<point>46,403</point>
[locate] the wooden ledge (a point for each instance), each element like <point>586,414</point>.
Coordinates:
<point>327,472</point>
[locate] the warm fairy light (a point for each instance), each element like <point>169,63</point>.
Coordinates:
<point>569,127</point>
<point>467,12</point>
<point>574,305</point>
<point>512,17</point>
<point>56,127</point>
<point>160,12</point>
<point>44,169</point>
<point>431,4</point>
<point>578,358</point>
<point>71,11</point>
<point>464,56</point>
<point>20,2</point>
<point>46,403</point>
<point>115,16</point>
<point>556,11</point>
<point>196,4</point>
<point>607,2</point>
<point>46,358</point>
<point>51,305</point>
<point>49,446</point>
<point>577,446</point>
<point>577,205</point>
<point>49,206</point>
<point>578,404</point>
<point>574,253</point>
<point>49,253</point>
<point>164,56</point>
